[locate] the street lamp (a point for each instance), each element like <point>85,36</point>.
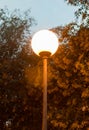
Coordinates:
<point>44,44</point>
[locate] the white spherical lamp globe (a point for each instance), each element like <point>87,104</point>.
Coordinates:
<point>44,41</point>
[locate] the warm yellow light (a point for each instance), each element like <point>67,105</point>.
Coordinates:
<point>44,40</point>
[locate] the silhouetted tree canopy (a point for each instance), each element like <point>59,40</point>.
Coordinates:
<point>68,90</point>
<point>16,102</point>
<point>82,12</point>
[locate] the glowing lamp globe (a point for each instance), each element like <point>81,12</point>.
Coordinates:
<point>44,41</point>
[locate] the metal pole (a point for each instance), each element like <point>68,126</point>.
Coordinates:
<point>44,122</point>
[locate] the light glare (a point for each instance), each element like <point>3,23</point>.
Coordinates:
<point>44,40</point>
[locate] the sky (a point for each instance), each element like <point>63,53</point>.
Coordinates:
<point>47,13</point>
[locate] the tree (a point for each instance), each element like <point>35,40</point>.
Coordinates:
<point>16,104</point>
<point>68,90</point>
<point>82,12</point>
<point>15,29</point>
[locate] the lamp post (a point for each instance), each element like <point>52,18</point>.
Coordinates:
<point>44,44</point>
